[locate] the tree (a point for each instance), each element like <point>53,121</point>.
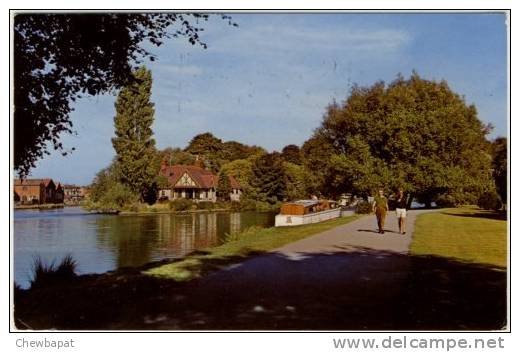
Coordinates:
<point>223,186</point>
<point>59,58</point>
<point>269,179</point>
<point>499,152</point>
<point>107,191</point>
<point>176,156</point>
<point>416,134</point>
<point>291,153</point>
<point>134,143</point>
<point>296,178</point>
<point>242,171</point>
<point>209,147</point>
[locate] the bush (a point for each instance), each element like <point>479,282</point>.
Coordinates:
<point>205,205</point>
<point>490,201</point>
<point>243,205</point>
<point>446,201</point>
<point>364,207</point>
<point>49,274</point>
<point>181,204</point>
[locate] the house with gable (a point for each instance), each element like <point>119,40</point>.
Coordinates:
<point>193,182</point>
<point>37,191</point>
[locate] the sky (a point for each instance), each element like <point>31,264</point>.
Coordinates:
<point>268,81</point>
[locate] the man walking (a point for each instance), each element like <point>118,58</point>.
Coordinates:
<point>380,207</point>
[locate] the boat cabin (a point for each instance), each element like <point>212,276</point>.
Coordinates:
<point>304,207</point>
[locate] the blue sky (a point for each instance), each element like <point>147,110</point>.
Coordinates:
<point>268,81</point>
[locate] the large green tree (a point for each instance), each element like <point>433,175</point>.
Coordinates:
<point>134,143</point>
<point>291,153</point>
<point>223,186</point>
<point>61,57</point>
<point>413,133</point>
<point>499,152</point>
<point>269,181</point>
<point>242,171</point>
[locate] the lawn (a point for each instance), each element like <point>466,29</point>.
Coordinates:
<point>467,234</point>
<point>251,242</point>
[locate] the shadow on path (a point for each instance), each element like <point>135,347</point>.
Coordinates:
<point>360,290</point>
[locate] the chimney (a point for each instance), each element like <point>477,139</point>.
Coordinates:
<point>198,162</point>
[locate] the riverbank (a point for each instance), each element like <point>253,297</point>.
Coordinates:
<point>39,206</point>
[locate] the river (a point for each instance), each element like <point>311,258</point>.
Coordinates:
<point>100,243</point>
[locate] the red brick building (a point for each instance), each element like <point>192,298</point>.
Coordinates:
<point>37,191</point>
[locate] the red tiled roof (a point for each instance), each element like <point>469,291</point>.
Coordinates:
<point>202,177</point>
<point>33,181</point>
<point>28,182</point>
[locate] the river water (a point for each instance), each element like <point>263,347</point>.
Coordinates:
<point>101,243</point>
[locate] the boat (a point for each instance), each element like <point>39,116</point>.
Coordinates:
<point>302,212</point>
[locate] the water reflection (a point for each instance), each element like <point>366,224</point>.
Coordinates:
<point>101,242</point>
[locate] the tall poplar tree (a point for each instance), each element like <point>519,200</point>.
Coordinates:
<point>134,143</point>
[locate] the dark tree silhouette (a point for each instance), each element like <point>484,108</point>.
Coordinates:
<point>59,58</point>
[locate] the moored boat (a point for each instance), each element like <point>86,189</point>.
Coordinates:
<point>303,212</point>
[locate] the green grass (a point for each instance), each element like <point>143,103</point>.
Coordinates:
<point>467,234</point>
<point>239,247</point>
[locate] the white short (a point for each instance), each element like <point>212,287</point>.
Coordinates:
<point>400,212</point>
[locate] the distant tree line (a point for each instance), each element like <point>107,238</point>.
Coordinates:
<point>412,133</point>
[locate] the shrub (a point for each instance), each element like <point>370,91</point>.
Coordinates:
<point>446,201</point>
<point>49,274</point>
<point>490,201</point>
<point>180,204</point>
<point>205,205</point>
<point>364,207</point>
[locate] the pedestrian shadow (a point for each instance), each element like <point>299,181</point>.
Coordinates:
<point>365,230</point>
<point>494,215</point>
<point>376,231</point>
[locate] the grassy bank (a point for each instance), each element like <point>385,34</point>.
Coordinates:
<point>39,206</point>
<point>251,242</point>
<point>467,234</point>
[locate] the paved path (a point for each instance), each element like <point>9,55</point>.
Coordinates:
<point>358,235</point>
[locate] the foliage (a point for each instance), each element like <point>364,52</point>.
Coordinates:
<point>296,177</point>
<point>107,191</point>
<point>317,151</point>
<point>499,151</point>
<point>490,201</point>
<point>242,171</point>
<point>291,153</point>
<point>44,274</point>
<point>176,156</point>
<point>269,179</point>
<point>216,153</point>
<point>243,205</point>
<point>205,205</point>
<point>363,207</point>
<point>134,143</point>
<point>414,133</point>
<point>181,204</point>
<point>61,57</point>
<point>223,186</point>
